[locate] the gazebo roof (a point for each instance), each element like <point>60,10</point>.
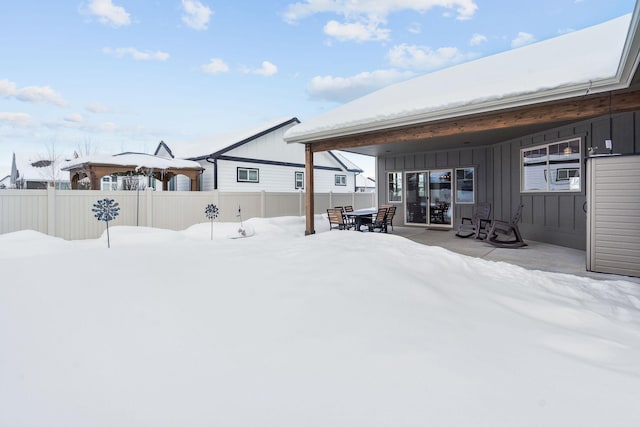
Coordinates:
<point>135,161</point>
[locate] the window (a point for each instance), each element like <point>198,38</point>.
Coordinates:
<point>299,180</point>
<point>341,180</point>
<point>248,175</point>
<point>109,183</point>
<point>465,185</point>
<point>552,167</point>
<point>394,184</point>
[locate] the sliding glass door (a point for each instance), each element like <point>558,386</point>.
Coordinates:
<point>428,198</point>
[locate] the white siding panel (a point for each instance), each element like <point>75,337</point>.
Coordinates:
<point>613,241</point>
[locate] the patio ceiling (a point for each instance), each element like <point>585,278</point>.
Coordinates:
<point>482,129</point>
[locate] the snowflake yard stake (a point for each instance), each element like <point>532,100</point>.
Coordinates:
<point>106,210</point>
<point>211,212</point>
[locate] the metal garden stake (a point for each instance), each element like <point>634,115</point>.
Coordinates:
<point>106,210</point>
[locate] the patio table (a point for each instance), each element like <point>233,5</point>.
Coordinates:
<point>360,215</point>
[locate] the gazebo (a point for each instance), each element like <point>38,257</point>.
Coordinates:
<point>162,169</point>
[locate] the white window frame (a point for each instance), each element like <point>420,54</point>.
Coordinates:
<point>398,180</point>
<point>473,185</point>
<point>341,180</point>
<point>248,172</point>
<point>299,180</point>
<point>107,183</point>
<point>553,173</point>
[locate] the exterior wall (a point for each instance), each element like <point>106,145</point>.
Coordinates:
<point>551,217</point>
<point>67,213</point>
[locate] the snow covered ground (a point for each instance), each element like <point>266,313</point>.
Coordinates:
<point>336,329</point>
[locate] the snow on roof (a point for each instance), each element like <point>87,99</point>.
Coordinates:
<point>38,167</point>
<point>214,143</point>
<point>139,160</point>
<point>580,60</point>
<point>365,181</point>
<point>350,166</point>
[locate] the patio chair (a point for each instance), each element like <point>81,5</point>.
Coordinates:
<point>478,224</point>
<point>391,212</point>
<point>505,234</point>
<point>336,220</point>
<point>380,221</point>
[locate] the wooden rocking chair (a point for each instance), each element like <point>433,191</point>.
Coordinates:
<point>478,224</point>
<point>504,234</point>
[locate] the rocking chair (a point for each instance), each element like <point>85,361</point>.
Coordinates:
<point>478,224</point>
<point>504,234</point>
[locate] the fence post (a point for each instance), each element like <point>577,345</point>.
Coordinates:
<point>263,204</point>
<point>330,199</point>
<point>149,199</point>
<point>51,211</point>
<point>301,203</point>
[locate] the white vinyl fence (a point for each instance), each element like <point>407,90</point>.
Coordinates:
<point>67,213</point>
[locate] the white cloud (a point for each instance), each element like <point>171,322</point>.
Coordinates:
<point>356,31</point>
<point>196,15</point>
<point>16,119</point>
<point>415,28</point>
<point>343,89</point>
<point>38,94</point>
<point>96,107</point>
<point>424,58</point>
<point>363,19</point>
<point>136,54</point>
<point>268,69</point>
<point>74,118</point>
<point>477,39</point>
<point>522,39</point>
<point>375,9</point>
<point>215,66</point>
<point>108,13</point>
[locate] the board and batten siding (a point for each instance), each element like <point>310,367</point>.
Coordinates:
<point>613,199</point>
<point>551,217</point>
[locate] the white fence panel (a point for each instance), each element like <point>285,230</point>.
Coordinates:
<point>68,213</point>
<point>23,210</point>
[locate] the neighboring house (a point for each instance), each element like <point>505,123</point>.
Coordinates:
<point>365,184</point>
<point>37,171</point>
<point>258,159</point>
<point>5,182</point>
<point>523,126</point>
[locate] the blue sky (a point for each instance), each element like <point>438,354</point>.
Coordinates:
<point>121,75</point>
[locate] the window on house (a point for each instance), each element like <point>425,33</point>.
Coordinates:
<point>465,185</point>
<point>341,180</point>
<point>248,175</point>
<point>552,167</point>
<point>299,178</point>
<point>109,183</point>
<point>394,184</point>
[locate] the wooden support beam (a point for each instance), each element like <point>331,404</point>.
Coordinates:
<point>575,109</point>
<point>309,195</point>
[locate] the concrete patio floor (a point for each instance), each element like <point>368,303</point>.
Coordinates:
<point>534,256</point>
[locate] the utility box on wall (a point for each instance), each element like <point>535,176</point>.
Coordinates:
<point>613,214</point>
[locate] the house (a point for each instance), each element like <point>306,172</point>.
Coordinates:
<point>37,171</point>
<point>365,184</point>
<point>257,159</point>
<point>525,126</point>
